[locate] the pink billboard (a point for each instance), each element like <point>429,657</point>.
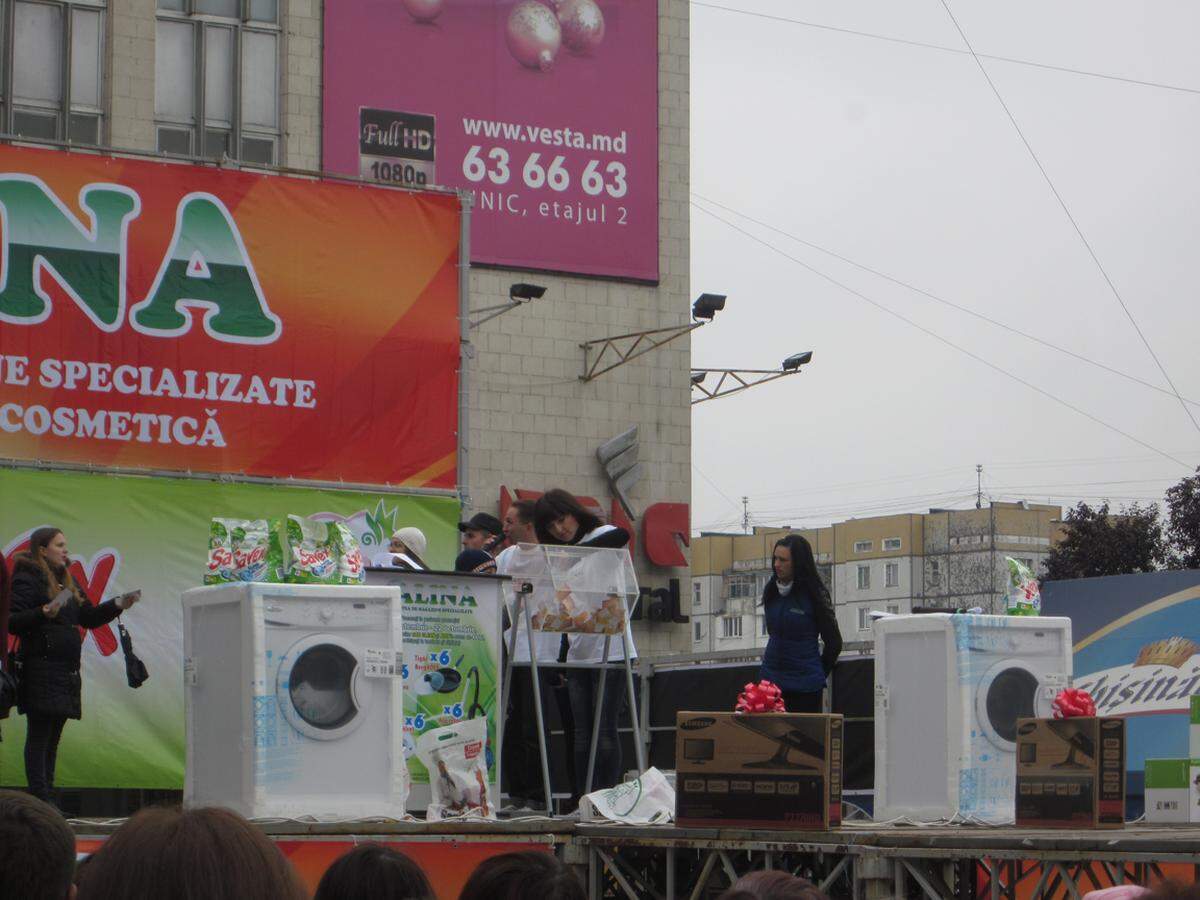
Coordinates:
<point>546,109</point>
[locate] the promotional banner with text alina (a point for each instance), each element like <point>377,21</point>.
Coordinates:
<point>173,317</point>
<point>547,111</point>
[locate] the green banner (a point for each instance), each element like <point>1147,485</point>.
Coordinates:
<point>152,533</point>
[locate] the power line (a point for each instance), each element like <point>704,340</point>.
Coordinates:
<point>940,47</point>
<point>950,303</point>
<point>714,486</point>
<point>944,340</point>
<point>854,484</point>
<point>1061,202</point>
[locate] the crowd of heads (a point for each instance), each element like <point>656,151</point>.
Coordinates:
<point>215,854</point>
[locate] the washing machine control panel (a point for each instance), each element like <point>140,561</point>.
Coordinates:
<point>326,612</point>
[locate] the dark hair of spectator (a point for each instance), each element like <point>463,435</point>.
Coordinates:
<point>195,854</point>
<point>772,885</point>
<point>531,875</point>
<point>552,506</point>
<point>37,849</point>
<point>377,872</point>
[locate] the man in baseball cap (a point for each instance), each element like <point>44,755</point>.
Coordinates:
<point>481,532</point>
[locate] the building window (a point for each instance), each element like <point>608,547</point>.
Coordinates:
<point>216,79</point>
<point>696,593</point>
<point>697,636</point>
<point>863,546</point>
<point>57,49</point>
<point>935,573</point>
<point>864,618</point>
<point>864,578</point>
<point>891,575</point>
<point>731,626</point>
<point>894,608</point>
<point>891,543</point>
<point>1026,562</point>
<point>742,585</point>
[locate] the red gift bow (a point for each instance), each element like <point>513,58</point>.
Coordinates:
<point>760,698</point>
<point>1072,703</point>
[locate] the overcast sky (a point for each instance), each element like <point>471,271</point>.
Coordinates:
<point>901,159</point>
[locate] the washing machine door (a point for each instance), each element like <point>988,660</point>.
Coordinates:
<point>1009,690</point>
<point>323,693</point>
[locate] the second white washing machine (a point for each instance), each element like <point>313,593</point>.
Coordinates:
<point>948,692</point>
<point>294,700</point>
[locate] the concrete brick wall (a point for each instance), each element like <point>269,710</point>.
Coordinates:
<point>129,85</point>
<point>300,99</point>
<point>533,423</point>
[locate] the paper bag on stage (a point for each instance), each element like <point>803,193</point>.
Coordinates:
<point>578,590</point>
<point>648,800</point>
<point>457,763</point>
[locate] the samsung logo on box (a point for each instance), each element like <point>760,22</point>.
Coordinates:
<point>698,723</point>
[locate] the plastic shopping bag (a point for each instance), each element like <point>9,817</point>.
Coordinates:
<point>648,800</point>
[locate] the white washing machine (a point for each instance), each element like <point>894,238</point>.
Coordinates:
<point>948,692</point>
<point>294,700</point>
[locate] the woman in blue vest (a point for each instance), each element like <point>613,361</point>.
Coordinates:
<point>798,611</point>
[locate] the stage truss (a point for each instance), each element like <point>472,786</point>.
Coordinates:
<point>865,864</point>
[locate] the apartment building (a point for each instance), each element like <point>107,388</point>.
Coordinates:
<point>942,559</point>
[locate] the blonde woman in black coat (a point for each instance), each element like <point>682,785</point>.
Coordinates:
<point>50,648</point>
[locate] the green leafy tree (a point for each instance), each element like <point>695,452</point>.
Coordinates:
<point>1098,542</point>
<point>1183,522</point>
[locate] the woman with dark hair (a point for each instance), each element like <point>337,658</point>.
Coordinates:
<point>561,519</point>
<point>798,610</point>
<point>377,872</point>
<point>195,854</point>
<point>48,609</point>
<point>531,875</point>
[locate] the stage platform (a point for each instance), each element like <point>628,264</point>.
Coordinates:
<point>858,861</point>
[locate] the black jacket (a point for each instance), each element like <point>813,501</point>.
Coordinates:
<point>50,648</point>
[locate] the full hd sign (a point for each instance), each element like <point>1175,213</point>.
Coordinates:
<point>396,148</point>
<point>546,111</point>
<point>162,316</point>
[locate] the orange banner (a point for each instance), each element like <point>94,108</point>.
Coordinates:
<point>164,316</point>
<point>446,861</point>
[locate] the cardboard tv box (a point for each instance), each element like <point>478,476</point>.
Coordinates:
<point>1071,773</point>
<point>758,770</point>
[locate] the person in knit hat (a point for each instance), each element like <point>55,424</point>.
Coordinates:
<point>406,550</point>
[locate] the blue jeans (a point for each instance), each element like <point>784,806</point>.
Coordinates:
<point>582,685</point>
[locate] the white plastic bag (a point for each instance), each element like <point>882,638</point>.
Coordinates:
<point>648,800</point>
<point>458,778</point>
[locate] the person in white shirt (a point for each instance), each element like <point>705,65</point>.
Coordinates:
<point>404,551</point>
<point>561,519</point>
<point>522,757</point>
